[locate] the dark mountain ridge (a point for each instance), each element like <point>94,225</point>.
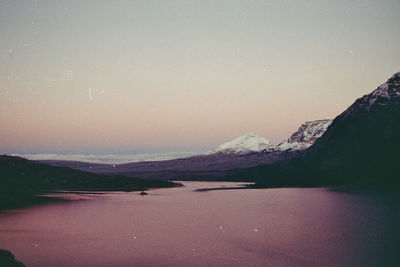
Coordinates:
<point>360,147</point>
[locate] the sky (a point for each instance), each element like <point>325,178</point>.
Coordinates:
<point>116,77</point>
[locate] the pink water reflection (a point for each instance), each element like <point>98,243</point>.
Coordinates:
<point>181,227</point>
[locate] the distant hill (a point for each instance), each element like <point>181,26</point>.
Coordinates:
<point>200,167</point>
<point>243,152</point>
<point>20,179</point>
<point>360,147</point>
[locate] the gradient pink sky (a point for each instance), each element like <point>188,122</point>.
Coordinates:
<point>147,76</point>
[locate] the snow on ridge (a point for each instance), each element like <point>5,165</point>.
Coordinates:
<point>380,92</point>
<point>305,136</point>
<point>394,76</point>
<point>244,144</point>
<point>384,93</point>
<point>300,140</point>
<point>310,131</point>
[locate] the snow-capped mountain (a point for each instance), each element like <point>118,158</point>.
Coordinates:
<point>305,136</point>
<point>300,140</point>
<point>386,94</point>
<point>360,147</point>
<point>245,144</point>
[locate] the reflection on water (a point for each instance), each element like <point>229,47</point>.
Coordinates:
<point>182,227</point>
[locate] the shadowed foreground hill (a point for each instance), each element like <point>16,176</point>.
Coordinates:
<point>21,179</point>
<point>361,147</point>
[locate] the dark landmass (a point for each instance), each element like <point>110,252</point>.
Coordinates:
<point>21,180</point>
<point>201,167</point>
<point>360,148</point>
<point>7,259</point>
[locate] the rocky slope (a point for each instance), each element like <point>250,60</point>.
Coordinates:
<point>361,147</point>
<point>305,136</point>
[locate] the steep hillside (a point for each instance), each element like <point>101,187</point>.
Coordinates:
<point>305,136</point>
<point>361,147</point>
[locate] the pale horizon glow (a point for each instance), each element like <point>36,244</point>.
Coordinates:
<point>129,77</point>
<point>108,159</point>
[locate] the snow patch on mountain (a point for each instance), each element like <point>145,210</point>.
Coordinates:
<point>386,94</point>
<point>386,91</point>
<point>305,136</point>
<point>245,144</point>
<point>380,92</point>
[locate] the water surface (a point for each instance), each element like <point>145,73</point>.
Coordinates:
<point>182,227</point>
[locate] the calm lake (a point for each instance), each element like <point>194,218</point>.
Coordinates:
<point>182,227</point>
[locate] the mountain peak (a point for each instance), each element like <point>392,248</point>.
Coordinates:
<point>249,135</point>
<point>244,144</point>
<point>386,91</point>
<point>395,76</point>
<point>386,94</point>
<point>305,135</point>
